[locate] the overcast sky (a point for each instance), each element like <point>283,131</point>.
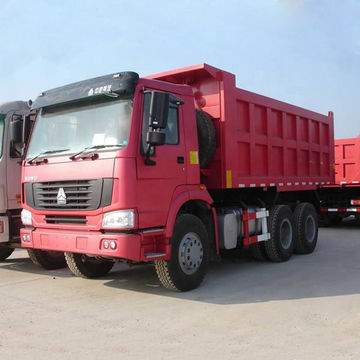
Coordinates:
<point>306,52</point>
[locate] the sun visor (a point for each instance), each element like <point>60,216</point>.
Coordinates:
<point>122,83</point>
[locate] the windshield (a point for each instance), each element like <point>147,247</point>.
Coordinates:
<point>70,129</point>
<point>2,126</point>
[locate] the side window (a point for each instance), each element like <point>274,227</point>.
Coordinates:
<point>172,131</point>
<point>172,127</point>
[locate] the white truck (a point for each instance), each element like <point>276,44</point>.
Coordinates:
<point>15,127</point>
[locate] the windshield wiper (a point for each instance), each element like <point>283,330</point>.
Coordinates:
<point>46,153</point>
<point>94,147</point>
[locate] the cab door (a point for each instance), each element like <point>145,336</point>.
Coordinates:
<point>157,183</point>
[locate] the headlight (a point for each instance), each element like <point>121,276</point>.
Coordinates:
<point>26,217</point>
<point>122,219</point>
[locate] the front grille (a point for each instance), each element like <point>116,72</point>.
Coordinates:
<point>68,195</point>
<point>59,219</point>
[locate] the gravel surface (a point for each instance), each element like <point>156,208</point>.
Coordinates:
<point>307,308</point>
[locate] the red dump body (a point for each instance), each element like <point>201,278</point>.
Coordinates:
<point>262,141</point>
<point>347,161</point>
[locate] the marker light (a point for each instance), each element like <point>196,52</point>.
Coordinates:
<point>113,245</point>
<point>355,202</point>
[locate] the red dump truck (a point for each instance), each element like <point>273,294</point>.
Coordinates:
<point>343,198</point>
<point>171,169</point>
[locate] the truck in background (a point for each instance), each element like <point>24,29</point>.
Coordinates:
<point>15,126</point>
<point>171,169</point>
<point>342,199</point>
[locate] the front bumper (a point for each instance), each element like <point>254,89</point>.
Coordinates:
<point>4,229</point>
<point>135,247</point>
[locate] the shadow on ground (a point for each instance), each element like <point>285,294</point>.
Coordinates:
<point>332,270</point>
<point>22,263</point>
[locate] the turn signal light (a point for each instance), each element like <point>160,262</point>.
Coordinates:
<point>355,202</point>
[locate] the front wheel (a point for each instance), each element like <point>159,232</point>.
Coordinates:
<point>86,266</point>
<point>189,255</point>
<point>49,260</point>
<point>5,252</point>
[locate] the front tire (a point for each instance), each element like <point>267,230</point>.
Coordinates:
<point>280,246</point>
<point>5,252</point>
<point>49,260</point>
<point>189,255</point>
<point>306,228</point>
<point>87,267</point>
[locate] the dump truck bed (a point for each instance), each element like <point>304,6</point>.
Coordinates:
<point>262,142</point>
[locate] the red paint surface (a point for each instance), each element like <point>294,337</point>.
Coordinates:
<point>347,161</point>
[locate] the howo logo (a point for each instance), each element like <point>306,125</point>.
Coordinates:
<point>61,197</point>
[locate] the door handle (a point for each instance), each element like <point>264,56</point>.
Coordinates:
<point>180,160</point>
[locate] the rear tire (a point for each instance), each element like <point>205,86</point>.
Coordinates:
<point>280,246</point>
<point>87,267</point>
<point>49,260</point>
<point>189,255</point>
<point>306,228</point>
<point>5,252</point>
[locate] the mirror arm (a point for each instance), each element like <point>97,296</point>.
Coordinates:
<point>147,159</point>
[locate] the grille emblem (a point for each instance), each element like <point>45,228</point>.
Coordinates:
<point>61,197</point>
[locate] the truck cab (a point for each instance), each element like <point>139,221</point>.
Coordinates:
<point>13,116</point>
<point>109,159</point>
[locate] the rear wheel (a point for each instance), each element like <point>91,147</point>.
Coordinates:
<point>306,228</point>
<point>86,266</point>
<point>281,243</point>
<point>189,256</point>
<point>5,252</point>
<point>49,260</point>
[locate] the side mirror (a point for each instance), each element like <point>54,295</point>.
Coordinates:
<point>19,132</point>
<point>158,115</point>
<point>27,126</point>
<point>154,138</point>
<point>159,109</point>
<point>16,130</point>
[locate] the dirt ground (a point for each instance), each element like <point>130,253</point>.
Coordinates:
<point>307,308</point>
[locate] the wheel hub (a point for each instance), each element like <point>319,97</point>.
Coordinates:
<point>190,253</point>
<point>286,233</point>
<point>310,229</point>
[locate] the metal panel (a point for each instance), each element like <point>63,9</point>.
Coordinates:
<point>262,141</point>
<point>347,161</point>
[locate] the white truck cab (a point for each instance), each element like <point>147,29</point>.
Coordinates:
<point>15,125</point>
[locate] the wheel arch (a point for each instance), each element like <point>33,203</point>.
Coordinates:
<point>199,203</point>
